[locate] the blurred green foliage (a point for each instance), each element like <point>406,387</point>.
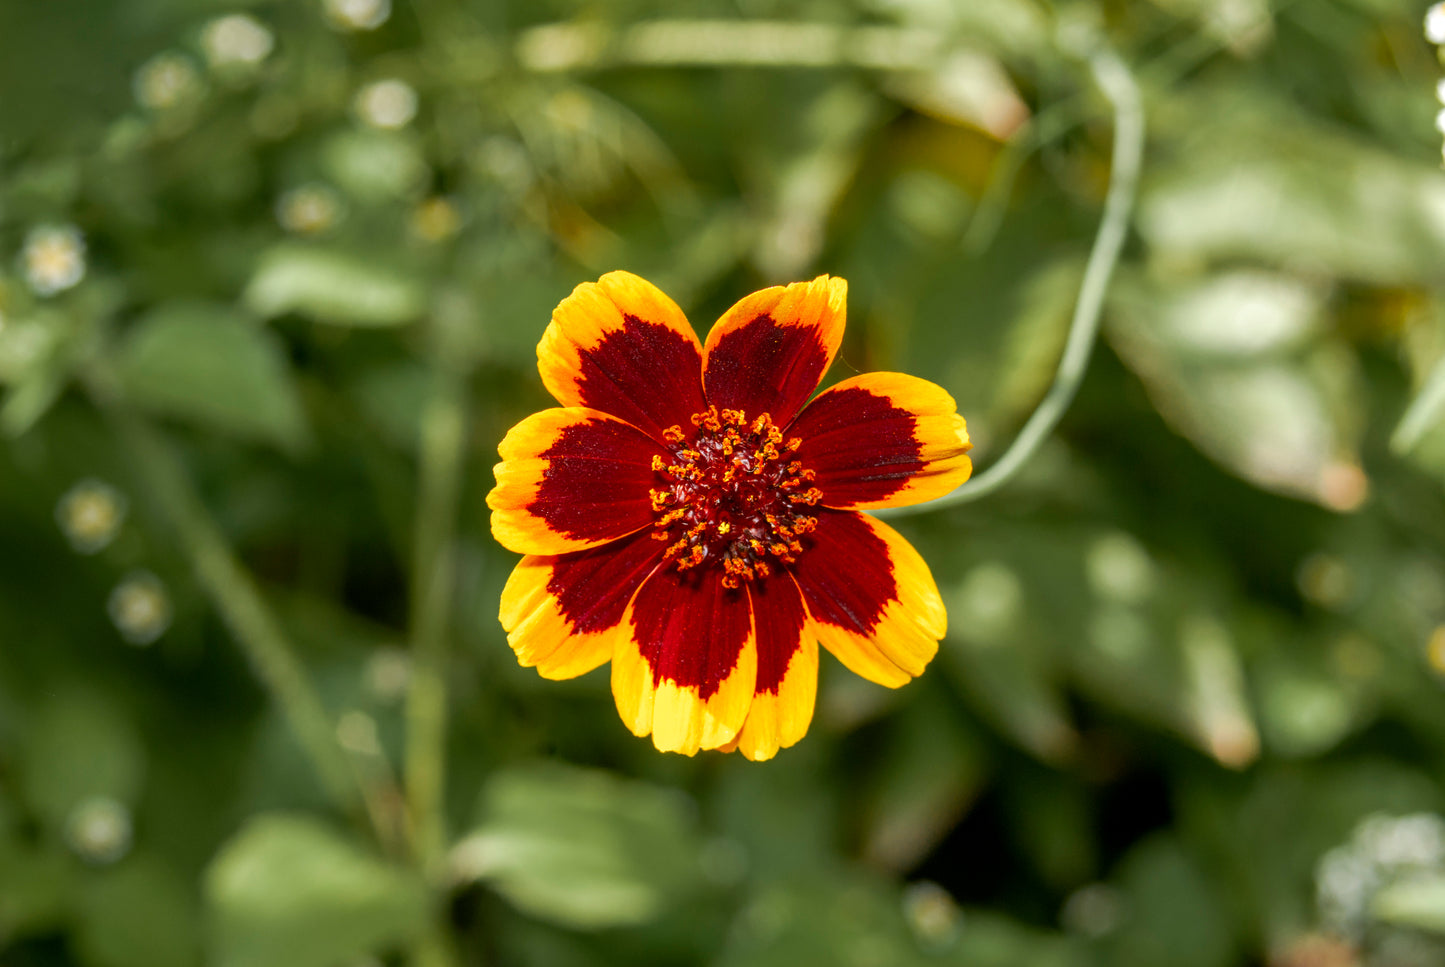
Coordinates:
<point>272,279</point>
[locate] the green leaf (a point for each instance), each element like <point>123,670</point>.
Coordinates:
<point>1173,916</point>
<point>35,884</point>
<point>29,400</point>
<point>1264,838</point>
<point>205,364</point>
<point>991,940</point>
<point>994,656</point>
<point>333,286</point>
<point>1416,902</point>
<point>934,769</point>
<point>392,399</point>
<point>375,165</point>
<point>582,848</point>
<point>823,918</point>
<point>1053,819</point>
<point>847,917</point>
<point>1249,179</point>
<point>1424,411</point>
<point>1012,27</point>
<point>28,342</point>
<point>1243,25</point>
<point>290,891</point>
<point>140,913</point>
<point>1237,364</point>
<point>36,352</point>
<point>1304,709</point>
<point>81,747</point>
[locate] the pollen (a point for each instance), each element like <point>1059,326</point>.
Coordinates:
<point>730,496</point>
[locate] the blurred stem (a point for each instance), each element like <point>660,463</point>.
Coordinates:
<point>1118,85</point>
<point>1422,414</point>
<point>713,42</point>
<point>443,435</point>
<point>240,604</point>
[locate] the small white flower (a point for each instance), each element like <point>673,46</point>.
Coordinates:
<point>99,830</point>
<point>1417,840</point>
<point>1382,851</point>
<point>358,14</point>
<point>237,40</point>
<point>166,81</point>
<point>53,258</point>
<point>932,913</point>
<point>1440,121</point>
<point>1435,24</point>
<point>90,514</point>
<point>309,209</point>
<point>1344,883</point>
<point>140,608</point>
<point>386,104</point>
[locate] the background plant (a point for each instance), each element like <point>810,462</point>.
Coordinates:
<point>272,280</point>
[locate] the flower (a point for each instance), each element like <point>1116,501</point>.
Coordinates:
<point>357,14</point>
<point>90,514</point>
<point>54,258</point>
<point>99,830</point>
<point>236,40</point>
<point>140,608</point>
<point>386,104</point>
<point>168,80</point>
<point>687,518</point>
<point>309,209</point>
<point>1435,23</point>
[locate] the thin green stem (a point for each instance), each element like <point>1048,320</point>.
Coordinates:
<point>443,435</point>
<point>240,604</point>
<point>1118,85</point>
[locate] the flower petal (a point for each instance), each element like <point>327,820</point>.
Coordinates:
<point>883,440</point>
<point>872,599</point>
<point>563,614</point>
<point>787,684</point>
<point>768,353</point>
<point>571,479</point>
<point>619,345</point>
<point>686,671</point>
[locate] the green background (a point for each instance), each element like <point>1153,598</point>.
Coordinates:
<point>1190,707</point>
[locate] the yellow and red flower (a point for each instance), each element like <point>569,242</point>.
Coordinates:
<point>686,517</point>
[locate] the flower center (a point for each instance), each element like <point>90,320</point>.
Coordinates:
<point>732,496</point>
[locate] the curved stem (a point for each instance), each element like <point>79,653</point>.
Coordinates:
<point>1119,87</point>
